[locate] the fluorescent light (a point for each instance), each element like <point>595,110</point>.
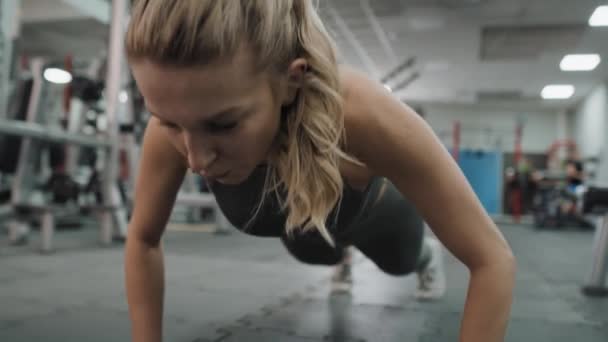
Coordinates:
<point>557,92</point>
<point>580,62</point>
<point>388,88</point>
<point>599,17</point>
<point>57,76</point>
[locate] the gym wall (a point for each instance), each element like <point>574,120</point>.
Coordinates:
<point>541,128</point>
<point>589,125</point>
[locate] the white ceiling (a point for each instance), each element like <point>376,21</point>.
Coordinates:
<point>503,49</point>
<point>445,37</point>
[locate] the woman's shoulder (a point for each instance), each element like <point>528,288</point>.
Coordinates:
<point>352,81</point>
<point>359,93</point>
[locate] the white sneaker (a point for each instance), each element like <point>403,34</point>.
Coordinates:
<point>18,233</point>
<point>431,280</point>
<point>342,279</point>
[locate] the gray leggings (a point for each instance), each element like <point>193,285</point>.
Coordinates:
<point>388,230</point>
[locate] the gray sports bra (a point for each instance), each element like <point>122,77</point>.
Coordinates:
<point>239,203</point>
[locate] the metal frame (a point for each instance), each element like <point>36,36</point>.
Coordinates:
<point>352,39</point>
<point>596,281</point>
<point>23,166</point>
<point>116,63</point>
<point>378,30</point>
<point>36,131</point>
<point>406,82</point>
<point>396,71</point>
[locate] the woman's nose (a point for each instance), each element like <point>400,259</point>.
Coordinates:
<point>201,163</point>
<point>200,155</point>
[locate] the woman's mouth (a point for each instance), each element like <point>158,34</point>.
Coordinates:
<point>218,175</point>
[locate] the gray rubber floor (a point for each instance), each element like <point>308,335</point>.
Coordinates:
<point>240,288</point>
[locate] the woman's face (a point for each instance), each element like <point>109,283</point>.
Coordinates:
<point>222,117</point>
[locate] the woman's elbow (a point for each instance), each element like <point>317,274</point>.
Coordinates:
<point>501,257</point>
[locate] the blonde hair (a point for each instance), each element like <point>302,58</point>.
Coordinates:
<point>309,147</point>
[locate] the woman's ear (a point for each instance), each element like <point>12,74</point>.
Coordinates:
<point>296,73</point>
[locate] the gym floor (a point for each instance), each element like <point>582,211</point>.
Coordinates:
<point>239,288</point>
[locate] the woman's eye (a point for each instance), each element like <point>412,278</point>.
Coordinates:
<point>223,126</point>
<point>169,125</point>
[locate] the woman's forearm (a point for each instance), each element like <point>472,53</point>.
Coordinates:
<point>488,304</point>
<point>145,289</point>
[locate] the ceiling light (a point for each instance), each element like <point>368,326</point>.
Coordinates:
<point>580,62</point>
<point>599,17</point>
<point>388,88</point>
<point>57,76</point>
<point>557,92</point>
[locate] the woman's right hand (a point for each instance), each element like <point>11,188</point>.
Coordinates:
<point>161,172</point>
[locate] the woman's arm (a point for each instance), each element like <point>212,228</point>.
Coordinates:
<point>160,175</point>
<point>397,143</point>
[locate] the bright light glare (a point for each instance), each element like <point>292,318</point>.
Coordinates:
<point>599,17</point>
<point>57,76</point>
<point>580,62</point>
<point>557,92</point>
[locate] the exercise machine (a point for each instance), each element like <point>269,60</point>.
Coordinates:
<point>35,135</point>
